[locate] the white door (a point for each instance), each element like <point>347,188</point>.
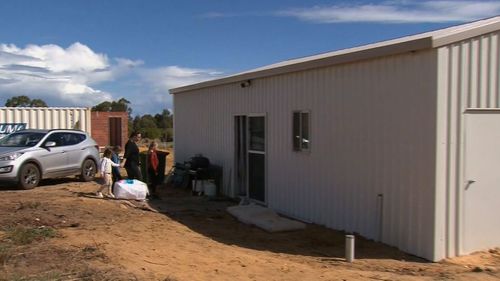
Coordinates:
<point>481,194</point>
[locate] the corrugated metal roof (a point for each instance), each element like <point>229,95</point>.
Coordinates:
<point>427,40</point>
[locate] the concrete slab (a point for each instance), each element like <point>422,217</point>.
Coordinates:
<point>264,218</point>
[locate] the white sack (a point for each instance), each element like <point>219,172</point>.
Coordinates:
<point>130,189</point>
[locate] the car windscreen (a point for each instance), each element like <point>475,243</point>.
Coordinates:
<point>21,139</point>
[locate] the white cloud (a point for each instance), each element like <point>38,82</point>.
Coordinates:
<point>165,78</point>
<point>61,76</point>
<point>156,83</point>
<point>76,58</point>
<point>74,76</point>
<point>398,12</point>
<point>214,15</point>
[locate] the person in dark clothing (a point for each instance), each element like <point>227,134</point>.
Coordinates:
<point>153,170</point>
<point>131,157</point>
<point>116,159</point>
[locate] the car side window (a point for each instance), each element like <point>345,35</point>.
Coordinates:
<point>58,138</point>
<point>32,139</point>
<point>73,138</point>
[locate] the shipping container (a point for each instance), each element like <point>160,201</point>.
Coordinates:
<point>17,118</point>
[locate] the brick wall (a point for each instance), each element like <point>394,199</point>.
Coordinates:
<point>100,126</point>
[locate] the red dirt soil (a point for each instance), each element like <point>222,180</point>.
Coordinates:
<point>182,237</point>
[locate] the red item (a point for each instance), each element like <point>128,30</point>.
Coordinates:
<point>154,160</point>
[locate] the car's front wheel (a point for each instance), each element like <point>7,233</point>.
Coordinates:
<point>89,170</point>
<point>29,176</point>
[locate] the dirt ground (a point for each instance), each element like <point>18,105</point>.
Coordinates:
<point>58,231</point>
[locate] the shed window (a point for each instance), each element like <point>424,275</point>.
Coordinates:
<point>301,131</point>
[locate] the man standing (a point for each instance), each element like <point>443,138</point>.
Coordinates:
<point>131,157</point>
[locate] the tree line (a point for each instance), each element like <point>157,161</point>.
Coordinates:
<point>158,126</point>
<point>25,101</point>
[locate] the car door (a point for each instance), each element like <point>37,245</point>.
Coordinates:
<point>75,151</point>
<point>54,159</point>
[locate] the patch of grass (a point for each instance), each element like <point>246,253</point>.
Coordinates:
<point>50,276</point>
<point>88,274</point>
<point>90,252</point>
<point>5,253</point>
<point>29,205</point>
<point>89,249</point>
<point>21,235</point>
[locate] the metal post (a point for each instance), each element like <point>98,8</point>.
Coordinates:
<point>380,216</point>
<point>349,248</point>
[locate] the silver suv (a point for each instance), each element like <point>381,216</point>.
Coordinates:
<point>28,156</point>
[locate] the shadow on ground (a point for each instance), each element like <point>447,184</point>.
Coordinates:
<point>43,183</point>
<point>210,218</point>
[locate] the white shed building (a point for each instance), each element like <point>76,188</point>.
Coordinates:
<point>398,141</point>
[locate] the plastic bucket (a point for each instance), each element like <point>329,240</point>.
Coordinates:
<point>197,185</point>
<point>210,189</point>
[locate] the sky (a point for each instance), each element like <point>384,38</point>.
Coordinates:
<point>83,52</point>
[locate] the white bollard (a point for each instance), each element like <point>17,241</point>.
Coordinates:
<point>349,248</point>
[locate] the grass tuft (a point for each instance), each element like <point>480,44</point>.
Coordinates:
<point>21,235</point>
<point>50,276</point>
<point>88,274</point>
<point>29,205</point>
<point>90,253</point>
<point>5,254</point>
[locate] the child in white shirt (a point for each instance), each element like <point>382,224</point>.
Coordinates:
<point>106,168</point>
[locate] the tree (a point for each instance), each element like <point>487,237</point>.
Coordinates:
<point>24,101</point>
<point>121,105</point>
<point>135,122</point>
<point>164,120</point>
<point>102,107</point>
<point>19,101</point>
<point>37,103</point>
<point>147,126</point>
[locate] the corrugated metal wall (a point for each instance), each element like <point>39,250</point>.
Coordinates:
<point>47,117</point>
<point>373,132</point>
<point>469,78</point>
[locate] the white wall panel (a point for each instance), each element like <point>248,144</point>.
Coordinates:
<point>468,75</point>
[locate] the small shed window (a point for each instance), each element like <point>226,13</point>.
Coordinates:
<point>301,131</point>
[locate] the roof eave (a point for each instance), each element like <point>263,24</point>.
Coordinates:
<point>464,35</point>
<point>432,40</point>
<point>402,47</point>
